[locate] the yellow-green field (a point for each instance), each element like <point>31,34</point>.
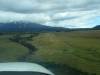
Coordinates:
<point>78,49</point>
<point>10,51</point>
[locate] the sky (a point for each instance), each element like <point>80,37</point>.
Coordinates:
<point>58,13</point>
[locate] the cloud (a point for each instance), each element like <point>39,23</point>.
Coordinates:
<point>63,13</point>
<point>80,19</point>
<point>13,17</point>
<point>48,5</point>
<point>16,5</point>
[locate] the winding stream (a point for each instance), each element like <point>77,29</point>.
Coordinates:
<point>30,47</point>
<point>55,68</point>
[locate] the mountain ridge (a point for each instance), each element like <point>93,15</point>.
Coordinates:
<point>27,27</point>
<point>97,27</point>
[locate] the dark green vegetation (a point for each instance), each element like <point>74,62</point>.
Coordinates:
<point>79,50</point>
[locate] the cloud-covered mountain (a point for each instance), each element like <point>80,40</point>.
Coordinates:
<point>27,27</point>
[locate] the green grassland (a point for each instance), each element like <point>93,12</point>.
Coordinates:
<point>10,51</point>
<point>78,49</point>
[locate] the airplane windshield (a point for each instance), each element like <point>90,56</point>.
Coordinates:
<point>21,73</point>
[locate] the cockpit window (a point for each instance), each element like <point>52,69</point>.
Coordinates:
<point>21,73</point>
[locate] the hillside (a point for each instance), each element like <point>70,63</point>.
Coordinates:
<point>28,27</point>
<point>97,27</point>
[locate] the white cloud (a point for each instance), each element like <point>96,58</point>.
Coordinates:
<point>65,13</point>
<point>13,17</point>
<point>82,19</point>
<point>48,5</point>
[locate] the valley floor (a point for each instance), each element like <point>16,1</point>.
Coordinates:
<point>74,53</point>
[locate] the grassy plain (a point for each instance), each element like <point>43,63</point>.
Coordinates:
<point>77,49</point>
<point>10,51</point>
